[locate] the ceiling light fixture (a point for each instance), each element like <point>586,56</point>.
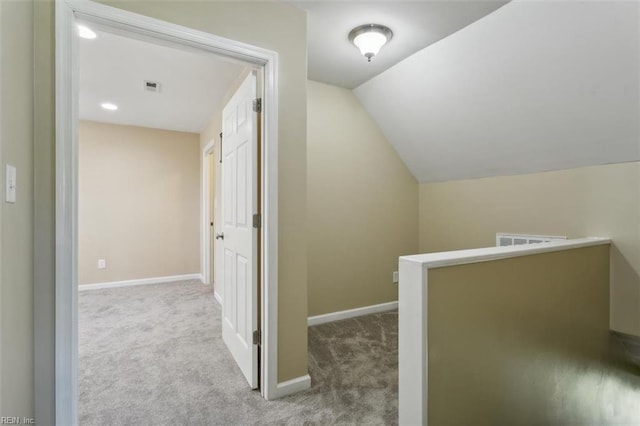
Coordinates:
<point>86,32</point>
<point>370,38</point>
<point>109,106</point>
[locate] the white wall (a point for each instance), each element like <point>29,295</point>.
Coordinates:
<point>534,86</point>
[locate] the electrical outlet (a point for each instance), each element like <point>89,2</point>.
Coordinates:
<point>395,277</point>
<point>102,264</point>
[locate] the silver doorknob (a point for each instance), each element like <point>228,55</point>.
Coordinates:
<point>220,236</point>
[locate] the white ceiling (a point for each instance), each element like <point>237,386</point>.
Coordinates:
<point>415,25</point>
<point>534,86</point>
<point>113,69</point>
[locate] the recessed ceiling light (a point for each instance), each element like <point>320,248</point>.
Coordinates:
<point>109,106</point>
<point>86,32</point>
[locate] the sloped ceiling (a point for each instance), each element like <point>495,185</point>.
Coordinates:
<point>534,86</point>
<point>415,24</point>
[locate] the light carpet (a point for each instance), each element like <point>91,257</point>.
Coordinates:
<point>154,355</point>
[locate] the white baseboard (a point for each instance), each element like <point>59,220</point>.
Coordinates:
<point>292,386</point>
<point>143,281</point>
<point>351,313</point>
<point>218,297</point>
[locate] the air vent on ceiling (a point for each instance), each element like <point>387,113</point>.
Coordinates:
<point>151,86</point>
<point>503,239</point>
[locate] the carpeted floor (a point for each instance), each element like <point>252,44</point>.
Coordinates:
<point>153,355</point>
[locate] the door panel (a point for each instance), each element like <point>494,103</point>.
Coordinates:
<point>229,305</point>
<point>240,203</point>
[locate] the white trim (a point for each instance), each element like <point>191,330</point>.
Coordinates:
<point>66,222</point>
<point>292,386</point>
<point>269,248</point>
<point>146,27</point>
<point>351,313</point>
<point>66,91</point>
<point>217,297</point>
<point>141,281</point>
<point>412,344</point>
<point>205,232</point>
<point>461,257</point>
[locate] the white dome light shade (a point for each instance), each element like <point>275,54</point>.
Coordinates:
<point>86,32</point>
<point>370,43</point>
<point>370,38</point>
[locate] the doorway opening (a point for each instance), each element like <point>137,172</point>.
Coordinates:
<point>264,190</point>
<point>209,206</point>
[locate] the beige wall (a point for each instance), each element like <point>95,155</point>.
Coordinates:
<point>138,202</point>
<point>592,201</point>
<point>526,341</point>
<point>272,25</point>
<point>16,260</point>
<point>362,205</point>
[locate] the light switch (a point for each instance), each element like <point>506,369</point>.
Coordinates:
<point>10,184</point>
<point>102,264</point>
<point>395,277</point>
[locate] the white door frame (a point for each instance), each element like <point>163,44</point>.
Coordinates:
<point>66,93</point>
<point>205,226</point>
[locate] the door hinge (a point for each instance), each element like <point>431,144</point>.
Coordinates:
<point>257,105</point>
<point>257,220</point>
<point>256,337</point>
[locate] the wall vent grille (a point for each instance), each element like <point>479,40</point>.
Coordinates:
<point>503,239</point>
<point>152,86</point>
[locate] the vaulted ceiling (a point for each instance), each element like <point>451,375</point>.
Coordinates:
<point>415,25</point>
<point>113,68</point>
<point>499,89</point>
<point>534,86</point>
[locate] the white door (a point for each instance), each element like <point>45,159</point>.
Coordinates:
<point>239,204</point>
